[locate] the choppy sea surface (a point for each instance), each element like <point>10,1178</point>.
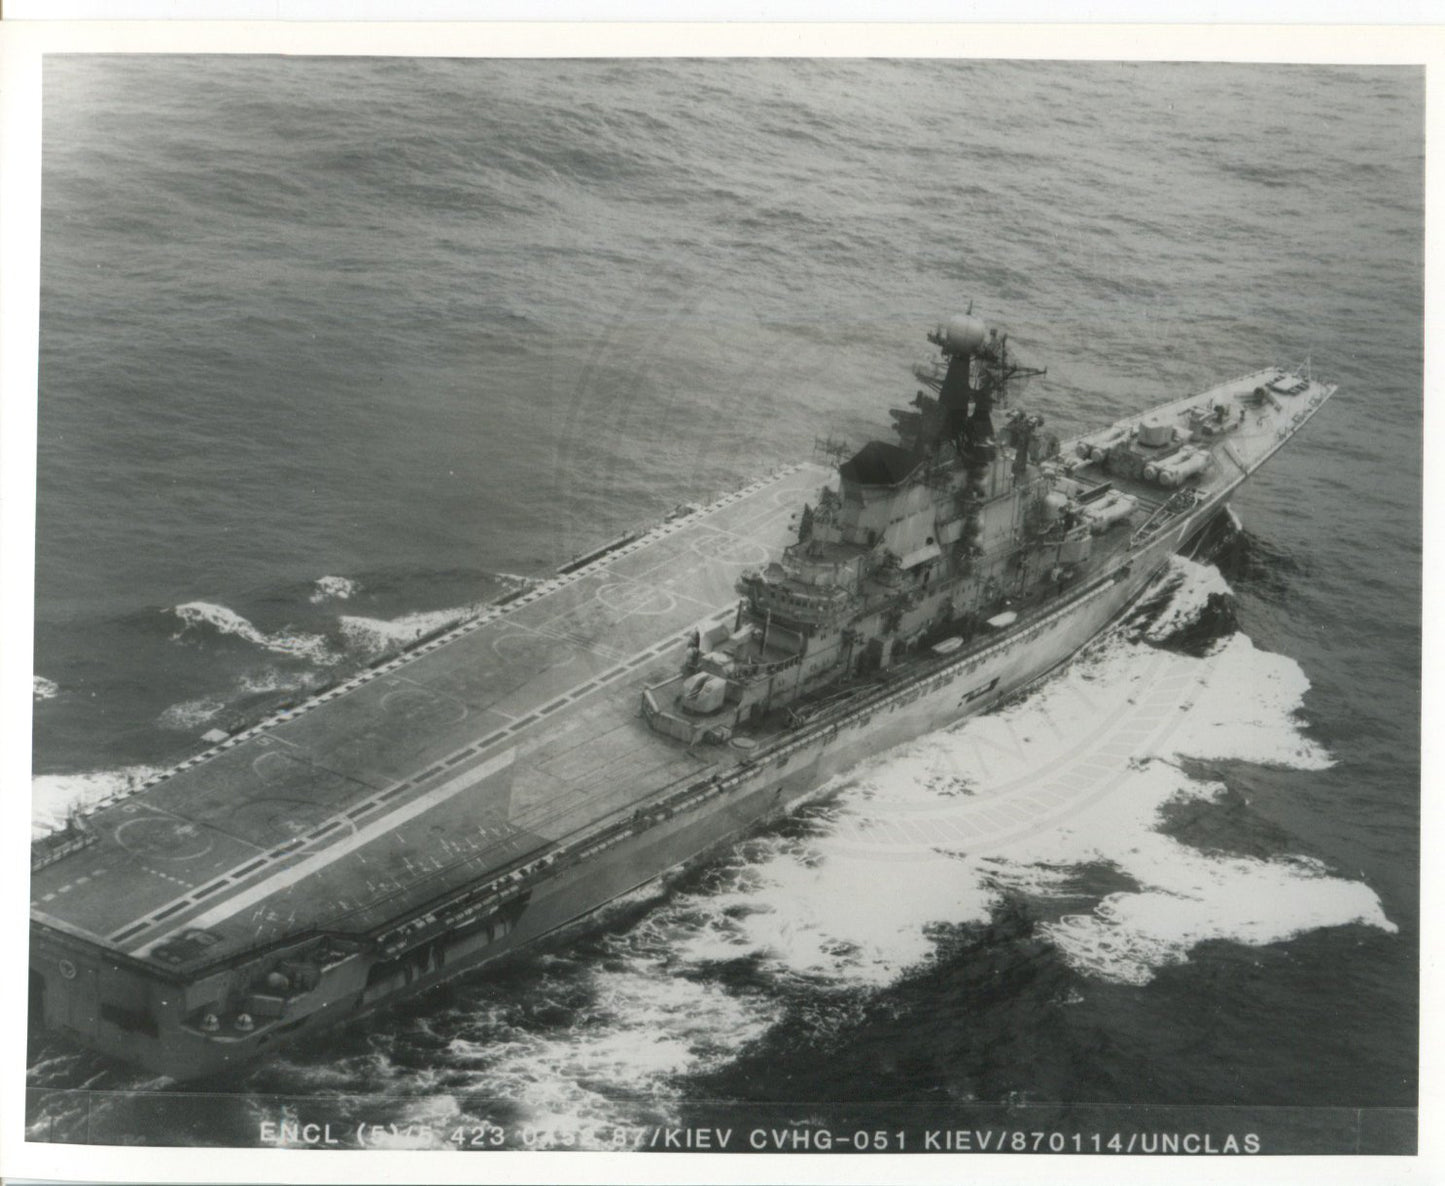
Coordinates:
<point>336,351</point>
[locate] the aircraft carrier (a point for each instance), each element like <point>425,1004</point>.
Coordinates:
<point>501,781</point>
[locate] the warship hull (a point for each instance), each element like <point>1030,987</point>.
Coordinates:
<point>489,789</point>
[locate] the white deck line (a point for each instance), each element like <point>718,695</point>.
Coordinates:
<point>314,864</point>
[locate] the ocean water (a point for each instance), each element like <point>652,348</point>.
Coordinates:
<point>336,351</point>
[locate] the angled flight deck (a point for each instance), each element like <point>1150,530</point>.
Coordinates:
<point>469,755</point>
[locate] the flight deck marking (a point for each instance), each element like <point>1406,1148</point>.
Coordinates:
<point>166,876</point>
<point>318,861</point>
<point>739,551</point>
<point>132,808</point>
<point>552,646</point>
<point>571,640</point>
<point>671,562</point>
<point>283,740</point>
<point>175,832</point>
<point>432,692</point>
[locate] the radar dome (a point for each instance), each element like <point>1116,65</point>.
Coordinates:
<point>962,334</point>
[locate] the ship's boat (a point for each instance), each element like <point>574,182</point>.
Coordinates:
<point>496,784</point>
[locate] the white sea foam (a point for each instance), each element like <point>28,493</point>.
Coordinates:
<point>1190,585</point>
<point>1027,799</point>
<point>195,614</point>
<point>1186,897</point>
<point>648,1027</point>
<point>1246,708</point>
<point>190,714</point>
<point>45,689</point>
<point>375,635</point>
<point>333,589</point>
<point>832,912</point>
<point>273,679</point>
<point>1074,775</point>
<point>52,796</point>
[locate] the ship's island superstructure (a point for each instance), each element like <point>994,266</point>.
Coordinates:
<point>497,783</point>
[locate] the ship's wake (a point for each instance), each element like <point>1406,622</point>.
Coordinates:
<point>1061,798</point>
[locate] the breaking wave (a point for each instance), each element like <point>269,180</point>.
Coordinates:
<point>190,714</point>
<point>54,796</point>
<point>202,614</point>
<point>333,589</point>
<point>1183,595</point>
<point>373,636</point>
<point>273,679</point>
<point>45,689</point>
